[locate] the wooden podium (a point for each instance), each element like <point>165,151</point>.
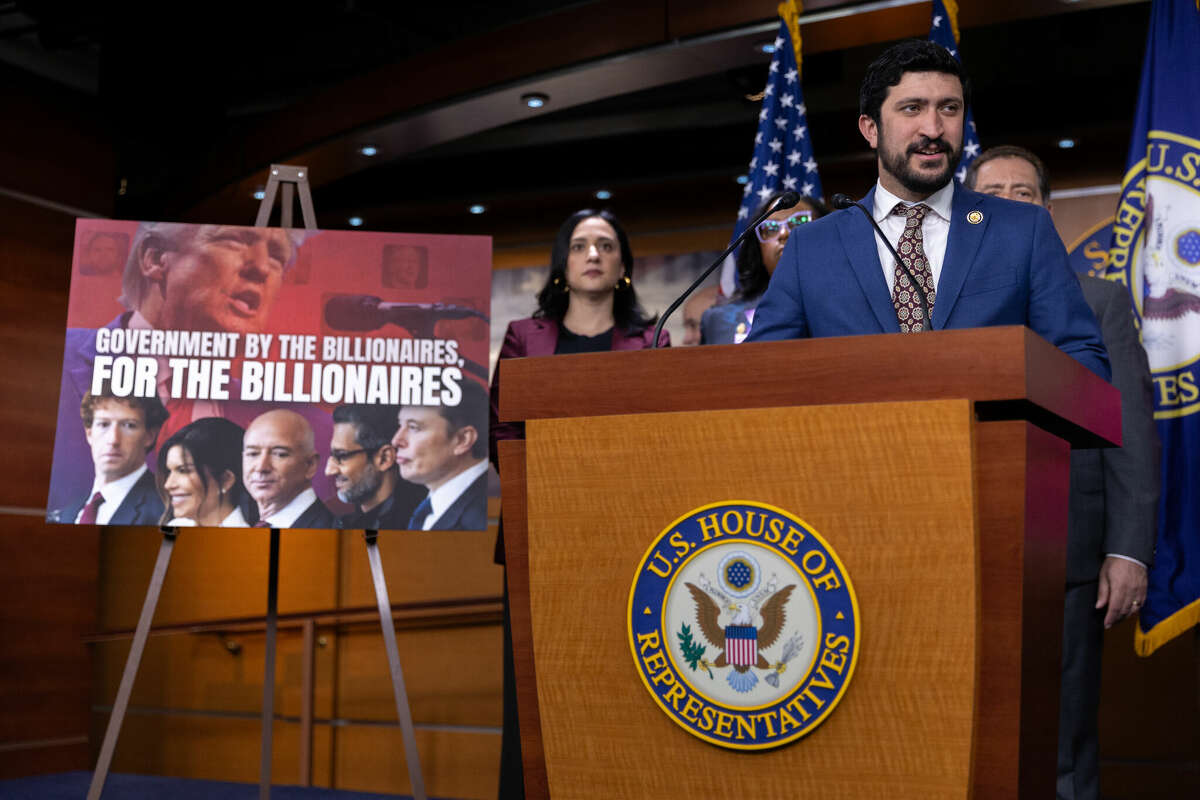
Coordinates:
<point>936,465</point>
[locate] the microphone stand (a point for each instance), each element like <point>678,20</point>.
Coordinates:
<point>786,200</point>
<point>846,201</point>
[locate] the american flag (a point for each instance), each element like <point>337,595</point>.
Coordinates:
<point>943,29</point>
<point>783,153</point>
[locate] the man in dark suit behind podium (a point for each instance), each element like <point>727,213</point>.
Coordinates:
<point>120,432</point>
<point>982,260</point>
<point>1114,496</point>
<point>445,449</point>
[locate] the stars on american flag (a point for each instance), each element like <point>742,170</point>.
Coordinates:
<point>944,35</point>
<point>783,157</point>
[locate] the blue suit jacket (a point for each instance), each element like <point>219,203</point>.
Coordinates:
<point>142,506</point>
<point>1010,268</point>
<point>468,512</point>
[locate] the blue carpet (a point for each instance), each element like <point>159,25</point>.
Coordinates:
<point>74,785</point>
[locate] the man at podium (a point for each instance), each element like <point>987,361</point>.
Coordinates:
<point>976,260</point>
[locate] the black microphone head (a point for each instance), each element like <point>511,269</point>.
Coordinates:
<point>354,312</point>
<point>843,200</point>
<point>787,200</point>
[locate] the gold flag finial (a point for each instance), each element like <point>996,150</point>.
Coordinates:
<point>952,13</point>
<point>790,11</point>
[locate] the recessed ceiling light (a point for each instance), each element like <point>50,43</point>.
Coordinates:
<point>259,194</point>
<point>603,194</point>
<point>355,222</point>
<point>742,179</point>
<point>1066,144</point>
<point>766,47</point>
<point>368,150</point>
<point>535,99</point>
<point>477,209</point>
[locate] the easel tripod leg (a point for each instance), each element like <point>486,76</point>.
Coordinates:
<point>268,703</point>
<point>393,654</point>
<point>141,633</point>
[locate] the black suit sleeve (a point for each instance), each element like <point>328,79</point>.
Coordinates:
<point>1132,473</point>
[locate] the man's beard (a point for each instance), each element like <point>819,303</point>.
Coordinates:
<point>897,163</point>
<point>365,487</point>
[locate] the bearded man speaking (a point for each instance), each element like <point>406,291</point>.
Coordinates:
<point>979,260</point>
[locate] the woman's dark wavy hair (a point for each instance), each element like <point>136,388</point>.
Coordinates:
<point>215,445</point>
<point>553,298</point>
<point>751,271</point>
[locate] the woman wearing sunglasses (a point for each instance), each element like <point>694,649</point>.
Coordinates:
<point>729,322</point>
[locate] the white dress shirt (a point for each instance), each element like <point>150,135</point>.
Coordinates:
<point>444,496</point>
<point>114,494</point>
<point>286,516</point>
<point>935,229</point>
<point>234,519</point>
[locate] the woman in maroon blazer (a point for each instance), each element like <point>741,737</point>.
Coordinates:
<point>587,305</point>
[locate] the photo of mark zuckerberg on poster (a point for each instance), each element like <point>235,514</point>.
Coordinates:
<point>218,375</point>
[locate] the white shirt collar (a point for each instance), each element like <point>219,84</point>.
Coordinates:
<point>444,496</point>
<point>114,494</point>
<point>286,516</point>
<point>939,202</point>
<point>234,519</point>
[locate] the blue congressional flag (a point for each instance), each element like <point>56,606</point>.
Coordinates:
<point>943,29</point>
<point>1155,251</point>
<point>783,153</point>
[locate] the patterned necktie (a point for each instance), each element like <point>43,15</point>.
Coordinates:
<point>91,509</point>
<point>912,251</point>
<point>417,521</point>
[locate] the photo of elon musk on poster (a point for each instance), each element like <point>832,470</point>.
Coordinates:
<point>218,375</point>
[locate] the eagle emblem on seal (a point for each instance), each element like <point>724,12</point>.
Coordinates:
<point>740,640</point>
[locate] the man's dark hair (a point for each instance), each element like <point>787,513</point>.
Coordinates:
<point>471,410</point>
<point>751,271</point>
<point>154,413</point>
<point>553,298</point>
<point>1010,151</point>
<point>909,55</point>
<point>373,425</point>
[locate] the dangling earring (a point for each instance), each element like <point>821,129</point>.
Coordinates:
<point>624,283</point>
<point>560,284</point>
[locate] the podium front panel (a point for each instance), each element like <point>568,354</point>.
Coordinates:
<point>891,488</point>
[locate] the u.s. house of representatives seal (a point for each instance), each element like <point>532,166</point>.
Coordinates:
<point>743,625</point>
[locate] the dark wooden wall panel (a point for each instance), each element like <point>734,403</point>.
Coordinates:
<point>52,147</point>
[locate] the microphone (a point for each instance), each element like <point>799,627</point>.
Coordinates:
<point>841,201</point>
<point>364,312</point>
<point>785,200</point>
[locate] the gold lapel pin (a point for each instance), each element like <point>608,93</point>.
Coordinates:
<point>975,217</point>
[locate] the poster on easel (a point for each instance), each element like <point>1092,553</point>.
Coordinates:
<point>218,375</point>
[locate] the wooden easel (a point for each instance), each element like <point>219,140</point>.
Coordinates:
<point>294,179</point>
